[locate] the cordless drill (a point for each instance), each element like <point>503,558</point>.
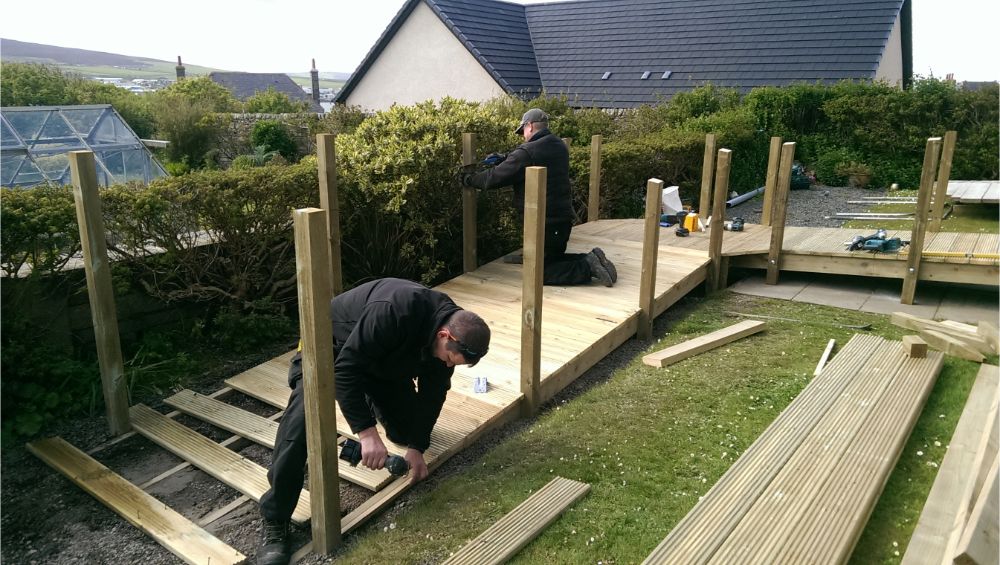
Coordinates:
<point>351,452</point>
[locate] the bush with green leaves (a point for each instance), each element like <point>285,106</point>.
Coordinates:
<point>271,135</point>
<point>400,195</point>
<point>271,101</point>
<point>40,232</point>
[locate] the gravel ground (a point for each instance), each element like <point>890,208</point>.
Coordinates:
<point>48,520</point>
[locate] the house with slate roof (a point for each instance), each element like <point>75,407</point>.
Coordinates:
<point>625,53</point>
<point>245,85</point>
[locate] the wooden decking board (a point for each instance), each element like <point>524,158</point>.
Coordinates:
<point>702,343</point>
<point>173,531</point>
<point>789,496</point>
<point>520,526</point>
<point>938,528</point>
<point>256,428</point>
<point>974,192</point>
<point>850,494</point>
<point>698,535</point>
<point>225,465</point>
<point>262,431</point>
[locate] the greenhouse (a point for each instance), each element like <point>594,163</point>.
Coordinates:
<point>35,140</point>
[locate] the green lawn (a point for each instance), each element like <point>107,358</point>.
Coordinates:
<point>651,441</point>
<point>966,218</point>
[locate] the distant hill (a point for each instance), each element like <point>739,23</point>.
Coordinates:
<point>101,64</point>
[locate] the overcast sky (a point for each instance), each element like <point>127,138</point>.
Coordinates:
<point>949,36</point>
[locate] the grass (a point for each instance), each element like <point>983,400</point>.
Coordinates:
<point>651,441</point>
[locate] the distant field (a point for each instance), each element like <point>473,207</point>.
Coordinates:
<point>154,70</point>
<point>323,82</point>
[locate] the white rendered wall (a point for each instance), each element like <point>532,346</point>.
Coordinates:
<point>424,60</point>
<point>890,68</point>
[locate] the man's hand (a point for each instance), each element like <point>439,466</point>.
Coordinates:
<point>418,467</point>
<point>373,451</point>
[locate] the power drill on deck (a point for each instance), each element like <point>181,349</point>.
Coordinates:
<point>351,452</point>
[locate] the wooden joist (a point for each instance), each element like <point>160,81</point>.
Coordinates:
<point>262,431</point>
<point>825,357</point>
<point>703,343</point>
<point>945,513</point>
<point>953,338</point>
<point>520,526</point>
<point>980,541</point>
<point>171,530</point>
<point>914,346</point>
<point>223,464</point>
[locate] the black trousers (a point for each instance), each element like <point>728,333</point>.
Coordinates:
<point>563,268</point>
<point>288,463</point>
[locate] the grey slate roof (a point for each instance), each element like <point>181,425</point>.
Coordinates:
<point>737,43</point>
<point>245,85</point>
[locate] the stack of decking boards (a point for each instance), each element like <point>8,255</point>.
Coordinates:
<point>803,491</point>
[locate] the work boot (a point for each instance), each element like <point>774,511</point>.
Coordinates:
<point>598,270</point>
<point>607,263</point>
<point>273,543</point>
<point>514,258</point>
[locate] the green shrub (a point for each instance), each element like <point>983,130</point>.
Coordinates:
<point>273,102</point>
<point>827,165</point>
<point>339,119</point>
<point>39,229</point>
<point>273,136</point>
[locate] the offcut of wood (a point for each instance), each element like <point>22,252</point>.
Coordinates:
<point>701,344</point>
<point>914,346</point>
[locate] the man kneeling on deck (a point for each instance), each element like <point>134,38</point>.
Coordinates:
<point>395,345</point>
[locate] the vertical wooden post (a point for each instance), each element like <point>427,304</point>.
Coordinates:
<point>707,170</point>
<point>568,141</point>
<point>773,160</point>
<point>535,179</point>
<point>944,173</point>
<point>312,255</point>
<point>329,200</point>
<point>594,201</point>
<point>916,247</point>
<point>779,210</point>
<point>722,165</point>
<point>470,260</point>
<point>650,250</point>
<point>99,290</point>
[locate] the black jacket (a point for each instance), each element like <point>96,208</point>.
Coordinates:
<point>544,149</point>
<point>382,337</point>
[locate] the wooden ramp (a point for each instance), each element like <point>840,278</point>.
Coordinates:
<point>974,191</point>
<point>580,325</point>
<point>803,491</point>
<point>510,534</point>
<point>969,258</point>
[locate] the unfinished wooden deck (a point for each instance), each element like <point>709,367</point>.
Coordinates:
<point>974,191</point>
<point>969,258</point>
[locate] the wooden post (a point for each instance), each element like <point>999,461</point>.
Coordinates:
<point>773,160</point>
<point>779,209</point>
<point>568,141</point>
<point>707,170</point>
<point>594,201</point>
<point>916,248</point>
<point>650,249</point>
<point>312,255</point>
<point>99,290</point>
<point>326,153</point>
<point>722,165</point>
<point>470,260</point>
<point>531,288</point>
<point>941,188</point>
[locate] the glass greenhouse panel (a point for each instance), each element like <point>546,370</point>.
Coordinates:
<point>35,141</point>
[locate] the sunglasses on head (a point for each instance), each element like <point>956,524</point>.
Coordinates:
<point>470,355</point>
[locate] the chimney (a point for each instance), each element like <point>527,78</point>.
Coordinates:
<point>314,74</point>
<point>180,68</point>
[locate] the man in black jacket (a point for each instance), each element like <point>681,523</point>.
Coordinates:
<point>395,344</point>
<point>542,148</point>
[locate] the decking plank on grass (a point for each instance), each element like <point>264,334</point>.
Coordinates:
<point>520,526</point>
<point>703,343</point>
<point>173,531</point>
<point>944,514</point>
<point>225,465</point>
